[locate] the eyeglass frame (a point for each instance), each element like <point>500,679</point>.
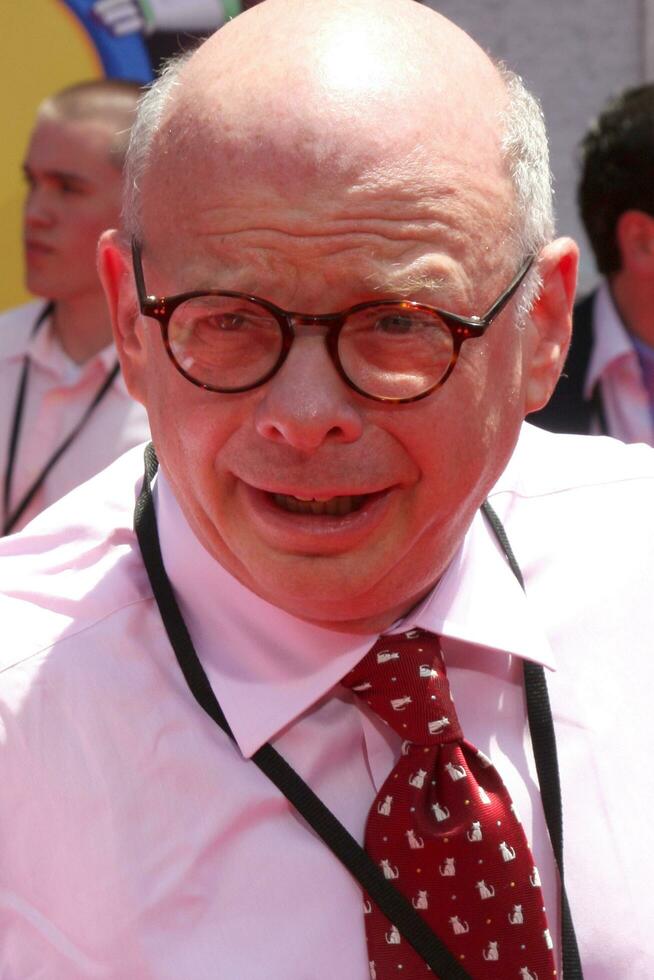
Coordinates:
<point>161,308</point>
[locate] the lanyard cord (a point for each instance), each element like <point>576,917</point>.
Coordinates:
<point>543,740</point>
<point>11,517</point>
<point>391,902</point>
<point>597,402</point>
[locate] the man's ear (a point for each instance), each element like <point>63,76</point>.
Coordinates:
<point>635,236</point>
<point>115,271</point>
<point>550,320</point>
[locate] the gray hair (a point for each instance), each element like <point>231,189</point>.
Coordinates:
<point>149,115</point>
<point>526,153</point>
<point>524,147</point>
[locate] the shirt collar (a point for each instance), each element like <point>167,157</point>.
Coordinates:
<point>479,601</point>
<point>45,351</point>
<point>610,336</point>
<point>267,667</point>
<point>18,332</point>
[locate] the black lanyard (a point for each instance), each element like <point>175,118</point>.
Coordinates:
<point>11,517</point>
<point>597,401</point>
<point>391,902</point>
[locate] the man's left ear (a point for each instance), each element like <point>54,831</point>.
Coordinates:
<point>550,320</point>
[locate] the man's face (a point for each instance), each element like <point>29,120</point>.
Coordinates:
<point>240,464</point>
<point>73,195</point>
<point>374,181</point>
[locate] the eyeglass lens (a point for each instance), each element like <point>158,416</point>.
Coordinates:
<point>229,343</point>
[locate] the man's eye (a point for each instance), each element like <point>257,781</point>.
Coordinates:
<point>232,321</point>
<point>394,323</point>
<point>228,322</point>
<point>70,187</point>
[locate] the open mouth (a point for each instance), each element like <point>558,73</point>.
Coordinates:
<point>314,520</point>
<point>333,507</point>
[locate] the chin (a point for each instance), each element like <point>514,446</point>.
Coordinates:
<point>325,591</point>
<point>38,287</point>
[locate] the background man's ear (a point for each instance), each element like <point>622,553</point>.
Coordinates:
<point>635,236</point>
<point>115,271</point>
<point>551,320</point>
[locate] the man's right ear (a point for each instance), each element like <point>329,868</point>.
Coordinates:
<point>115,271</point>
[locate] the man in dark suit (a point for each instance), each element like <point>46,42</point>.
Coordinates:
<point>608,381</point>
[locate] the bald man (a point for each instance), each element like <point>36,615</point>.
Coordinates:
<point>65,410</point>
<point>337,290</point>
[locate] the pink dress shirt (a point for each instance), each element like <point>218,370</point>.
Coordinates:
<point>58,392</point>
<point>138,842</point>
<point>614,362</point>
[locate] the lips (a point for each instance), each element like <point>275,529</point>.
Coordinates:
<point>37,248</point>
<point>315,523</point>
<point>337,506</point>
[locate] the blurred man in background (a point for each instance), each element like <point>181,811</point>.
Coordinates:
<point>64,410</point>
<point>608,381</point>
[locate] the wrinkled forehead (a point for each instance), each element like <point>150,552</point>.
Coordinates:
<point>360,108</point>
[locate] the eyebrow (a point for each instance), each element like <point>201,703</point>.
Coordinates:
<point>59,175</point>
<point>402,284</point>
<point>407,284</point>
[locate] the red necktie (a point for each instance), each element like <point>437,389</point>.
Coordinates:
<point>443,827</point>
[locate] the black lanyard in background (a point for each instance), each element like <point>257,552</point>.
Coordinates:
<point>391,902</point>
<point>597,401</point>
<point>10,517</point>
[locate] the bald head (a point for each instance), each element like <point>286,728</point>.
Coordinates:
<point>308,76</point>
<point>299,92</point>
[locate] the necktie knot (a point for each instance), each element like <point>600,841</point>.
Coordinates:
<point>403,680</point>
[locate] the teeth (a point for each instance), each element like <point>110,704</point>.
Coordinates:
<point>335,507</point>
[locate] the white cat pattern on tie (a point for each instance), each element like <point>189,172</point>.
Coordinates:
<point>440,827</point>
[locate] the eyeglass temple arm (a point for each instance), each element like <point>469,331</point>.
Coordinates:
<point>511,289</point>
<point>480,323</point>
<point>138,274</point>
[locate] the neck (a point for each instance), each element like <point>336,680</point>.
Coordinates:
<point>82,325</point>
<point>376,623</point>
<point>634,299</point>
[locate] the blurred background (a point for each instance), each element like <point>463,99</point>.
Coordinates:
<point>573,56</point>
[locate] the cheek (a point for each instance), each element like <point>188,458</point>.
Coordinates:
<point>491,379</point>
<point>463,438</point>
<point>190,427</point>
<point>83,226</point>
<point>80,238</point>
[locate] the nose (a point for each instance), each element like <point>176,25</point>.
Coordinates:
<point>38,211</point>
<point>307,403</point>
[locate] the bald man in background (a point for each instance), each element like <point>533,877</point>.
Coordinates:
<point>317,506</point>
<point>64,410</point>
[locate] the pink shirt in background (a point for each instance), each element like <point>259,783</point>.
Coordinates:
<point>615,364</point>
<point>58,393</point>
